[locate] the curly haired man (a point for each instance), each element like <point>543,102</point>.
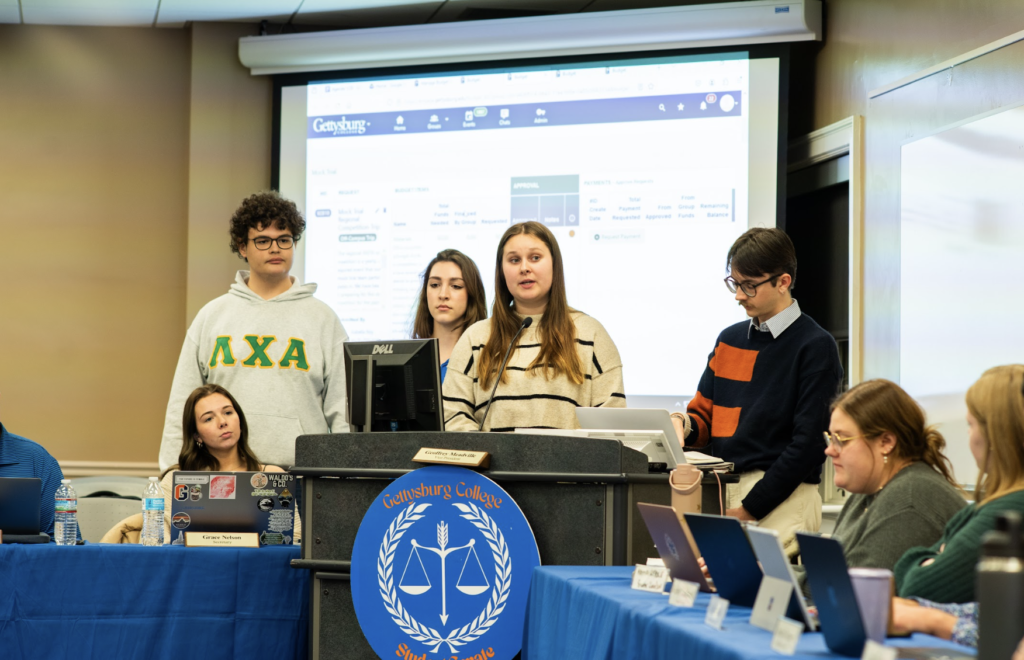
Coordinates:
<point>268,341</point>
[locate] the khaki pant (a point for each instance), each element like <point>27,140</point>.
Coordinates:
<point>800,512</point>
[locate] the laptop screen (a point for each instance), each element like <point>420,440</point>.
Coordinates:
<point>260,502</point>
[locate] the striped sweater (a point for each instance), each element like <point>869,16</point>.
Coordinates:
<point>528,399</point>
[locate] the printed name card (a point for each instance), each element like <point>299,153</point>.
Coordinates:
<point>875,651</point>
<point>459,457</point>
<point>786,636</point>
<point>222,540</point>
<point>771,602</point>
<point>683,594</point>
<point>650,578</point>
<point>717,609</point>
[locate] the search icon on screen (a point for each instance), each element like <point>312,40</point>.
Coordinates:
<point>661,106</point>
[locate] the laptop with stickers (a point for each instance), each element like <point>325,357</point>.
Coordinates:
<point>260,502</point>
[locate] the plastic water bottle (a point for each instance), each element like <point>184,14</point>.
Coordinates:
<point>65,515</point>
<point>153,514</point>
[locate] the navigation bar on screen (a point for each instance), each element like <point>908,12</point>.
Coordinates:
<point>667,107</point>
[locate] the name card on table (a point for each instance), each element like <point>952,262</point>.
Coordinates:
<point>650,578</point>
<point>222,540</point>
<point>460,457</point>
<point>717,609</point>
<point>786,636</point>
<point>683,593</point>
<point>771,602</point>
<point>875,651</point>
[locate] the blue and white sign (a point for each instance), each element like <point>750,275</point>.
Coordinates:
<point>441,568</point>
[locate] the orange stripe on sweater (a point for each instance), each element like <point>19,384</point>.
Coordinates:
<point>702,407</point>
<point>733,363</point>
<point>724,421</point>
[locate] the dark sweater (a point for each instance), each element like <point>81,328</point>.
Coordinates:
<point>763,404</point>
<point>950,578</point>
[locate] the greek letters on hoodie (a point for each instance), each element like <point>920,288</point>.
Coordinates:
<point>281,359</point>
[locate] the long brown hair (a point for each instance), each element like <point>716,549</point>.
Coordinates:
<point>195,458</point>
<point>997,403</point>
<point>557,330</point>
<point>476,297</point>
<point>881,406</point>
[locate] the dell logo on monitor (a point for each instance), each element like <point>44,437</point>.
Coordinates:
<point>382,349</point>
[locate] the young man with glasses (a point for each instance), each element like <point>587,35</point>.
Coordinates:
<point>763,400</point>
<point>268,341</point>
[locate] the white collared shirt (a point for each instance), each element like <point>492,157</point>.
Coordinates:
<point>778,323</point>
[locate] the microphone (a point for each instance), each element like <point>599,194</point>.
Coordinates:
<point>527,322</point>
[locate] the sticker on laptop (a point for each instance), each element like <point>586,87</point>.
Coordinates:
<point>191,479</point>
<point>181,520</point>
<point>285,499</point>
<point>222,487</point>
<point>196,493</point>
<point>258,480</point>
<point>181,492</point>
<point>265,504</point>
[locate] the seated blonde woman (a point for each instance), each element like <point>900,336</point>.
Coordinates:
<point>215,439</point>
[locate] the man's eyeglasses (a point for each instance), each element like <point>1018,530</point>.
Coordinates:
<point>838,441</point>
<point>283,242</point>
<point>748,289</point>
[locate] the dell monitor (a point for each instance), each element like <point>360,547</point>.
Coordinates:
<point>394,385</point>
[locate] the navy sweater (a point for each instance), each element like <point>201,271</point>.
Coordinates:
<point>763,404</point>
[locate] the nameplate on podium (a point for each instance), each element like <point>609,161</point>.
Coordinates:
<point>222,540</point>
<point>458,457</point>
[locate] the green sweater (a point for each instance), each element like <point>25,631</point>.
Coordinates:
<point>912,510</point>
<point>950,578</point>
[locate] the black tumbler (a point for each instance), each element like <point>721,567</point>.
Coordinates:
<point>1001,590</point>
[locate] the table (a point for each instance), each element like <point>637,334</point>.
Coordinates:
<point>591,612</point>
<point>129,601</point>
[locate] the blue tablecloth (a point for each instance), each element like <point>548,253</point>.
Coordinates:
<point>129,601</point>
<point>591,612</point>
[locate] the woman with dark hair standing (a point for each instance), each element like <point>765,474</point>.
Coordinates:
<point>563,360</point>
<point>451,300</point>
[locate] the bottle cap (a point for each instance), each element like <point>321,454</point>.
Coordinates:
<point>153,479</point>
<point>65,481</point>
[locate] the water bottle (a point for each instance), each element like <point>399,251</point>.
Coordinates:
<point>153,514</point>
<point>1001,589</point>
<point>65,515</point>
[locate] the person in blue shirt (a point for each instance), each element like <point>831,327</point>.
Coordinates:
<point>452,299</point>
<point>22,458</point>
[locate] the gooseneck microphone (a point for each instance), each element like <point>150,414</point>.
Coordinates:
<point>527,322</point>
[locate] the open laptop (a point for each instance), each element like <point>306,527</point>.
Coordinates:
<point>832,589</point>
<point>19,510</point>
<point>728,556</point>
<point>774,562</point>
<point>260,502</point>
<point>669,452</point>
<point>674,542</point>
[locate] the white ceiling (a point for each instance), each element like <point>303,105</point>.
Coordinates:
<point>323,13</point>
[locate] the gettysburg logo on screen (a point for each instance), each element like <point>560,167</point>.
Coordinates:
<point>441,568</point>
<point>341,126</point>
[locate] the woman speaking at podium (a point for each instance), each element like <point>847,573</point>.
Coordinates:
<point>451,300</point>
<point>558,359</point>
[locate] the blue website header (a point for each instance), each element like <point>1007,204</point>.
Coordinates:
<point>530,115</point>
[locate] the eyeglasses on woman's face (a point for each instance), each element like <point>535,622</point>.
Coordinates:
<point>837,441</point>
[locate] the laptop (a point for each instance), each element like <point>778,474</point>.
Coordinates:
<point>260,502</point>
<point>674,542</point>
<point>19,510</point>
<point>728,556</point>
<point>774,562</point>
<point>832,589</point>
<point>669,452</point>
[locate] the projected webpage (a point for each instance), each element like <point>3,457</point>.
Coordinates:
<point>640,172</point>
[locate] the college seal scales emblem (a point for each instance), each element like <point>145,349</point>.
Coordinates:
<point>441,568</point>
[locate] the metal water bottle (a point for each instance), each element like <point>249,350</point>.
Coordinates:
<point>1001,590</point>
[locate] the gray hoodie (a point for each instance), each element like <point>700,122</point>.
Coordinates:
<point>281,359</point>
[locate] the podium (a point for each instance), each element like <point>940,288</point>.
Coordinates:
<point>578,494</point>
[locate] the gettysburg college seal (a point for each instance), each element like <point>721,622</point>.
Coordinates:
<point>441,568</point>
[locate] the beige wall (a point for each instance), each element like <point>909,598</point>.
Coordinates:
<point>121,151</point>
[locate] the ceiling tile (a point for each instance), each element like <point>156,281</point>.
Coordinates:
<point>402,12</point>
<point>254,11</point>
<point>89,12</point>
<point>9,14</point>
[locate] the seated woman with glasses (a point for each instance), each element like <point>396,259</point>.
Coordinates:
<point>902,485</point>
<point>944,572</point>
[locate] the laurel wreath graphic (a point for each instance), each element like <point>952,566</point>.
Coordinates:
<point>499,594</point>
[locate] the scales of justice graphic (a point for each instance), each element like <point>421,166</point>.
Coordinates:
<point>472,579</point>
